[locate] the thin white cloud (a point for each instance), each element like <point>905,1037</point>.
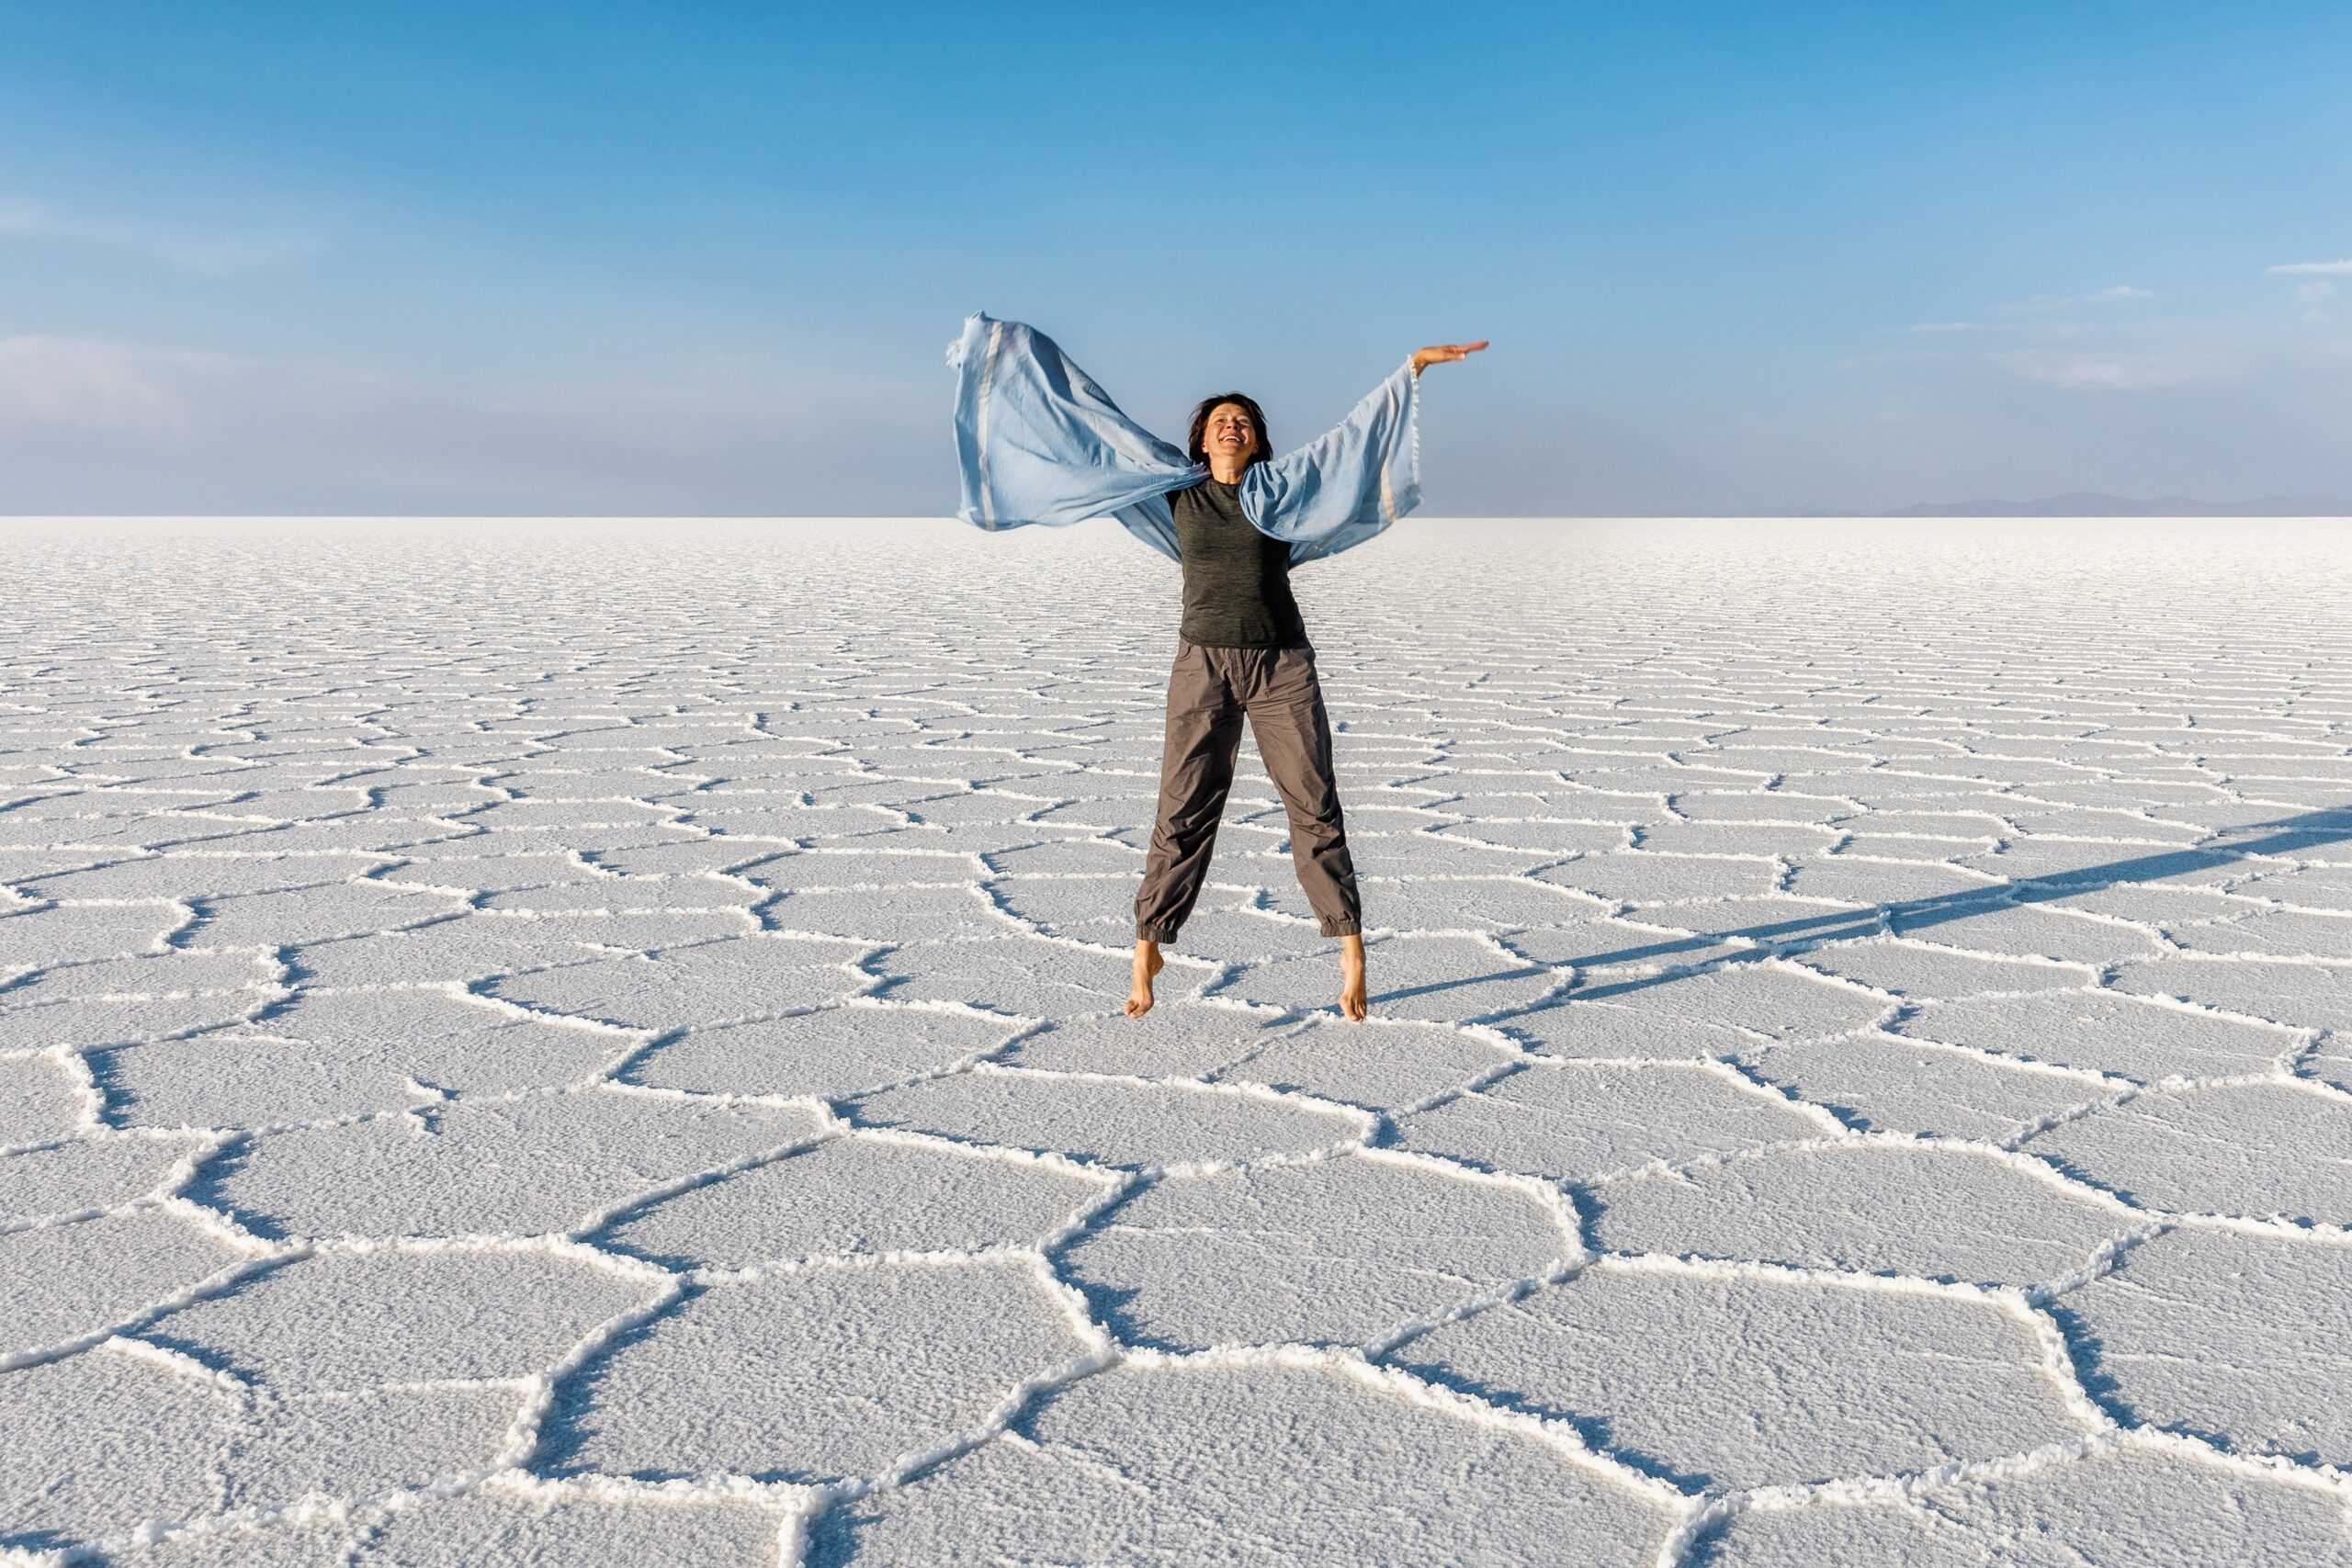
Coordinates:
<point>211,253</point>
<point>2314,269</point>
<point>1946,327</point>
<point>2118,372</point>
<point>2117,294</point>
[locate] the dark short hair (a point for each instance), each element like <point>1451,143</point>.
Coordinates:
<point>1199,454</point>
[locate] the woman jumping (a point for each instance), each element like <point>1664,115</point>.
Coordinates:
<point>1039,442</point>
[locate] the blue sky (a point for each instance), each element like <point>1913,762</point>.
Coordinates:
<point>687,258</point>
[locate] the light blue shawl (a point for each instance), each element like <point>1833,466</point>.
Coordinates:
<point>1039,442</point>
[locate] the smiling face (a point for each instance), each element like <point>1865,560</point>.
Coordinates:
<point>1230,435</point>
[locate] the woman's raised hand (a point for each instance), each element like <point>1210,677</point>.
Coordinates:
<point>1439,353</point>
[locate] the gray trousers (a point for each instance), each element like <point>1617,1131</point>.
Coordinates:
<point>1210,690</point>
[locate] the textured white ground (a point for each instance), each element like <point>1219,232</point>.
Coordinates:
<point>599,1043</point>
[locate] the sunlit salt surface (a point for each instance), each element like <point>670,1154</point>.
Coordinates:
<point>593,1042</point>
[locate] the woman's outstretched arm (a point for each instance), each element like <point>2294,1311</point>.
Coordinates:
<point>1353,481</point>
<point>1444,354</point>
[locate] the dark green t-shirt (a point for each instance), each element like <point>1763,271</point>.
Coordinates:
<point>1237,581</point>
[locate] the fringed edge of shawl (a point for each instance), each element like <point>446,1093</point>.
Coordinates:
<point>1413,425</point>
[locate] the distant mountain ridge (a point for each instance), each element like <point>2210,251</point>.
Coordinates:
<point>2089,503</point>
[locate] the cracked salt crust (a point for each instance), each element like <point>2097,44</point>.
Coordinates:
<point>526,1064</point>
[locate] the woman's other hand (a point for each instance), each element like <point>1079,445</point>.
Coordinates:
<point>1440,352</point>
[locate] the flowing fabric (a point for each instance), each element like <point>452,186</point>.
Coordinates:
<point>1037,440</point>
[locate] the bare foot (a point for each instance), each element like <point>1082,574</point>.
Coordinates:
<point>1147,964</point>
<point>1352,1005</point>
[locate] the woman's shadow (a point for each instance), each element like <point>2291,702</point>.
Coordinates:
<point>1780,939</point>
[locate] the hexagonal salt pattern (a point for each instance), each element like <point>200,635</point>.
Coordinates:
<point>866,1196</point>
<point>820,1373</point>
<point>2225,1336</point>
<point>2190,1149</point>
<point>371,1316</point>
<point>1572,1120</point>
<point>1765,1379</point>
<point>2129,1504</point>
<point>1883,1207</point>
<point>540,1164</point>
<point>1346,1250</point>
<point>56,1294</point>
<point>1162,1463</point>
<point>563,1073</point>
<point>562,1530</point>
<point>119,1435</point>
